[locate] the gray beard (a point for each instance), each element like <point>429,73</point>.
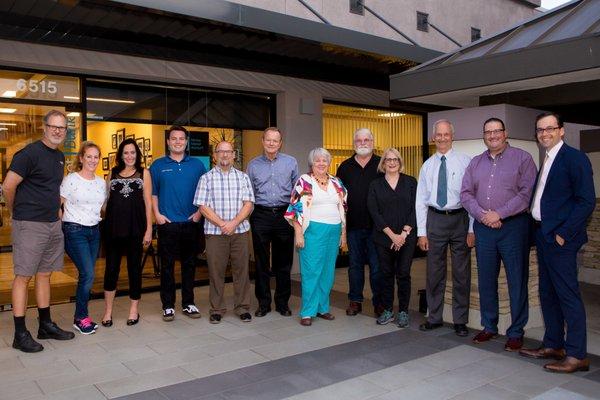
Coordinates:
<point>363,152</point>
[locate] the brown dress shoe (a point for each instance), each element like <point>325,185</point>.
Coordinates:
<point>543,353</point>
<point>353,308</point>
<point>569,365</point>
<point>379,309</point>
<point>306,321</point>
<point>484,336</point>
<point>514,344</point>
<point>327,316</point>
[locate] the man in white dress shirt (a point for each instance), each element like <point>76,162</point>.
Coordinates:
<point>443,222</point>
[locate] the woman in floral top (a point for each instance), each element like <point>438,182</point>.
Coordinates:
<point>317,213</point>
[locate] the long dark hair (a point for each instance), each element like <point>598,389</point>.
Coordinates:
<point>120,164</point>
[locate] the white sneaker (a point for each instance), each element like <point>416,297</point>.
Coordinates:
<point>191,311</point>
<point>168,314</point>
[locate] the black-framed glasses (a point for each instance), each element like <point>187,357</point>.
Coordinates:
<point>57,128</point>
<point>548,129</point>
<point>493,132</point>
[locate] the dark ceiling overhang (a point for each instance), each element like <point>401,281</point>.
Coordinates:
<point>212,32</point>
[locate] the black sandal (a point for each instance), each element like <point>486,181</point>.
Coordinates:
<point>131,322</point>
<point>107,323</point>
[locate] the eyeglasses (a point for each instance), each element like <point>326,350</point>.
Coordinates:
<point>359,141</point>
<point>549,129</point>
<point>57,128</point>
<point>224,151</point>
<point>493,132</point>
<point>392,160</point>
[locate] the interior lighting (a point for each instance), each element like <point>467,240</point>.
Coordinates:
<point>392,114</point>
<point>10,93</point>
<point>7,110</point>
<point>101,99</point>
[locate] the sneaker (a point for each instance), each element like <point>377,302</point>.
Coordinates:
<point>168,314</point>
<point>246,317</point>
<point>386,317</point>
<point>402,319</point>
<point>215,318</point>
<point>191,311</point>
<point>49,330</point>
<point>85,326</point>
<point>24,342</point>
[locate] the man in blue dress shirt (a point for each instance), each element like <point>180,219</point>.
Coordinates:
<point>273,175</point>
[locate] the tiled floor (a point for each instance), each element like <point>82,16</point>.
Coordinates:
<point>273,358</point>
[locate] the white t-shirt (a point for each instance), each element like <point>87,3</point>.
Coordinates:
<point>324,206</point>
<point>83,199</point>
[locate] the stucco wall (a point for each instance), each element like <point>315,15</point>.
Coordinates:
<point>455,17</point>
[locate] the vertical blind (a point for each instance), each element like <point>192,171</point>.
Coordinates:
<point>390,128</point>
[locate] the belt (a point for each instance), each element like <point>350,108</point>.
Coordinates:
<point>447,212</point>
<point>271,209</point>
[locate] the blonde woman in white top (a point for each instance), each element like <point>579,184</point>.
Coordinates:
<point>83,193</point>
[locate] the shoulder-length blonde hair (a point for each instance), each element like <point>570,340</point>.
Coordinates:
<point>381,166</point>
<point>82,149</point>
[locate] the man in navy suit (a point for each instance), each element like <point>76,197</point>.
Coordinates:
<point>564,199</point>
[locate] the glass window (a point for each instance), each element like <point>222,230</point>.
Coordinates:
<point>390,128</point>
<point>38,86</point>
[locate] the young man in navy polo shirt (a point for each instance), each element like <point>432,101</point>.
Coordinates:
<point>174,181</point>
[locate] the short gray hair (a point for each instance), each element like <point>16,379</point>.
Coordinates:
<point>318,152</point>
<point>54,113</point>
<point>366,131</point>
<point>442,121</point>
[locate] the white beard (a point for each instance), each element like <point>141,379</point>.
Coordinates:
<point>363,151</point>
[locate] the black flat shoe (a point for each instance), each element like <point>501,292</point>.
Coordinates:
<point>131,322</point>
<point>107,323</point>
<point>49,330</point>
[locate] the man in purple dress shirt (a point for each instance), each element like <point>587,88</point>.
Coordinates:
<point>496,191</point>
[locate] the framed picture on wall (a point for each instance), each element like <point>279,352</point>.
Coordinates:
<point>105,176</point>
<point>148,160</point>
<point>114,141</point>
<point>120,135</point>
<point>130,136</point>
<point>111,159</point>
<point>105,163</point>
<point>147,145</point>
<point>140,143</point>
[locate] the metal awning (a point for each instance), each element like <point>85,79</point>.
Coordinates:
<point>212,32</point>
<point>557,48</point>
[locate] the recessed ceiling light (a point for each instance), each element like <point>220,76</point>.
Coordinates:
<point>3,129</point>
<point>7,110</point>
<point>8,123</point>
<point>392,114</point>
<point>101,99</point>
<point>10,93</point>
<point>73,114</point>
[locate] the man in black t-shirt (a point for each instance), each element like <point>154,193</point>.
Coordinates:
<point>32,193</point>
<point>357,173</point>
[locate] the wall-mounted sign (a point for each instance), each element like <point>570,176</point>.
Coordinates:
<point>38,86</point>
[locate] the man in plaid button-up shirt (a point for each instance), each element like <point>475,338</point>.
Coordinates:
<point>226,199</point>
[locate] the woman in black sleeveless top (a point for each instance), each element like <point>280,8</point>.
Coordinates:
<point>128,226</point>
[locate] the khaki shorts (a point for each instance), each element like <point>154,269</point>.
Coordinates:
<point>37,247</point>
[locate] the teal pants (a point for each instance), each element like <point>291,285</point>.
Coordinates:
<point>317,266</point>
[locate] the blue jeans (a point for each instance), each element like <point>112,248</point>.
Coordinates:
<point>82,244</point>
<point>362,251</point>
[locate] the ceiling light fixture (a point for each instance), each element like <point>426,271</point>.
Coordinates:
<point>10,93</point>
<point>101,99</point>
<point>7,110</point>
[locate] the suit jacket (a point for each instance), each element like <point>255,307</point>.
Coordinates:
<point>568,198</point>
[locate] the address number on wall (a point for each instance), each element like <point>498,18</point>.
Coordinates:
<point>35,86</point>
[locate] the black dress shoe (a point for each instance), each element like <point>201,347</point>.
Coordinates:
<point>262,311</point>
<point>461,330</point>
<point>107,323</point>
<point>286,312</point>
<point>131,322</point>
<point>49,330</point>
<point>428,326</point>
<point>24,342</point>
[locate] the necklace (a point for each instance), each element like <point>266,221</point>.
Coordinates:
<point>322,183</point>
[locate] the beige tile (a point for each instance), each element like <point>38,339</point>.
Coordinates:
<point>19,390</point>
<point>167,360</point>
<point>139,383</point>
<point>224,363</point>
<point>83,378</point>
<point>403,374</point>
